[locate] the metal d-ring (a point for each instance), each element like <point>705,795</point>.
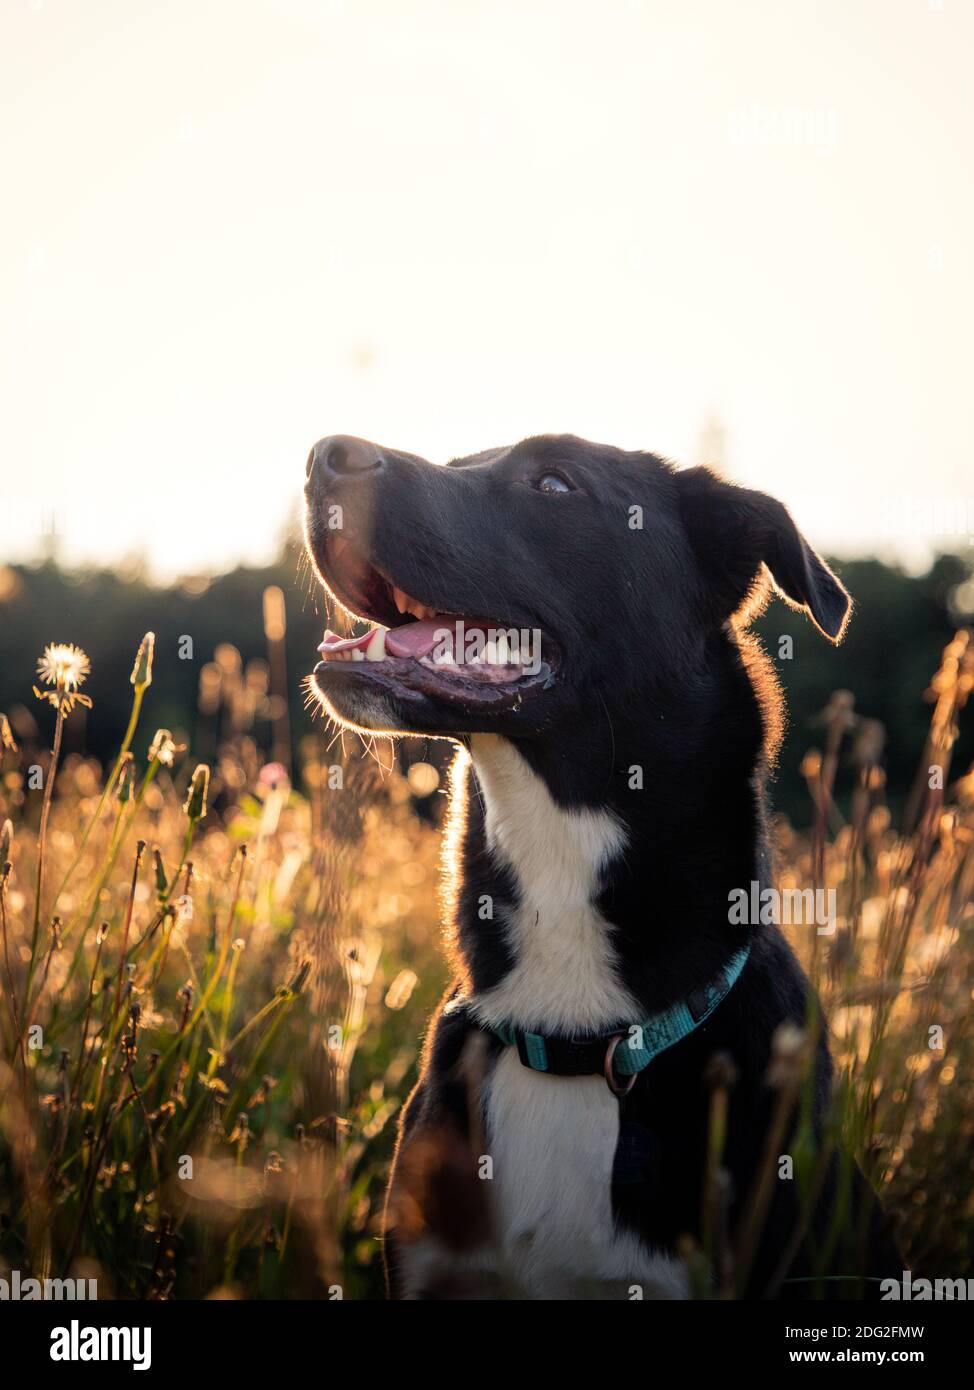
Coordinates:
<point>610,1078</point>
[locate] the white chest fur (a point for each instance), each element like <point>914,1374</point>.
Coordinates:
<point>564,978</point>
<point>551,1139</point>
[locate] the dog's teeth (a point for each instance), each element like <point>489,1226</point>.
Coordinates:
<point>357,654</point>
<point>376,649</point>
<point>407,604</point>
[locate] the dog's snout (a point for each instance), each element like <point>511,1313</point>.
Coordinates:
<point>340,456</point>
<point>351,456</point>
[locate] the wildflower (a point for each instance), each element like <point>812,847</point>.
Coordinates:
<point>66,667</point>
<point>272,776</point>
<point>142,670</point>
<point>6,840</point>
<point>163,748</point>
<point>7,740</point>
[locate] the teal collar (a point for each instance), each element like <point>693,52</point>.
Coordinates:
<point>622,1055</point>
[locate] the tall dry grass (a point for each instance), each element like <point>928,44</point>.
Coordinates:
<point>167,1101</point>
<point>213,988</point>
<point>895,979</point>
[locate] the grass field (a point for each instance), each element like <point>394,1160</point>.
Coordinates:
<point>213,988</point>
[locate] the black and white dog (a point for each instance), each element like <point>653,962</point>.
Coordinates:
<point>572,615</point>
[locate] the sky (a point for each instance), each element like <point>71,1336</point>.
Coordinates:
<point>738,234</point>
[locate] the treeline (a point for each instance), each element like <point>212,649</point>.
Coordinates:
<point>211,635</point>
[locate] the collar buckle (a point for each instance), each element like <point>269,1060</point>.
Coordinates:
<point>618,1089</point>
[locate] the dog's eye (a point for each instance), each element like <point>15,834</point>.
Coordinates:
<point>553,482</point>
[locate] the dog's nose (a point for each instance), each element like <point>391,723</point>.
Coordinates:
<point>340,455</point>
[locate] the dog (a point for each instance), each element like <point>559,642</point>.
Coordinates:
<point>574,616</point>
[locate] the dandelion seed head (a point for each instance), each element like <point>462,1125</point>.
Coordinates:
<point>63,665</point>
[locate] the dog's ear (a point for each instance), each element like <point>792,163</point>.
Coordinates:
<point>734,530</point>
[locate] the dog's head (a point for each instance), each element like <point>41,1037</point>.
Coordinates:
<point>507,590</point>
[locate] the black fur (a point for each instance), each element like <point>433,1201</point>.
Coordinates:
<point>647,665</point>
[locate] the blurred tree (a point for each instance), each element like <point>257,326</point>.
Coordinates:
<point>899,626</point>
<point>892,647</point>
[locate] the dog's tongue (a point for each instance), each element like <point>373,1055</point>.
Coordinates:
<point>415,639</point>
<point>418,639</point>
<point>334,643</point>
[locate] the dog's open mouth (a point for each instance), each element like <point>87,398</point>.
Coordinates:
<point>419,647</point>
